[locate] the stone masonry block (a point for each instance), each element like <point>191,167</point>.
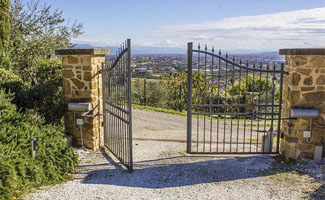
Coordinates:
<point>304,89</point>
<point>81,84</point>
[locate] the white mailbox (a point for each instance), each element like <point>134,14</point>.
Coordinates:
<point>86,107</point>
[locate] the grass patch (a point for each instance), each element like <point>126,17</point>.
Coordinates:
<point>164,110</point>
<point>184,113</point>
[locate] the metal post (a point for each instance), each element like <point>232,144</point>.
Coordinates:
<point>280,108</point>
<point>145,90</point>
<point>189,96</point>
<point>104,101</point>
<point>272,116</point>
<point>130,104</point>
<point>180,97</point>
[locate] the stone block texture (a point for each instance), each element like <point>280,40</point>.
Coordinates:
<point>82,82</point>
<point>304,87</point>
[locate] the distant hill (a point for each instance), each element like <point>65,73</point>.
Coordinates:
<point>139,49</point>
<point>176,50</point>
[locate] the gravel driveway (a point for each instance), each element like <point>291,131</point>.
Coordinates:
<point>163,171</point>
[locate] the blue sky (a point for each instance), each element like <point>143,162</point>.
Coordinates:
<point>226,24</point>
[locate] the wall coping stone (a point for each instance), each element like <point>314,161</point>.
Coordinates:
<point>91,51</point>
<point>302,51</point>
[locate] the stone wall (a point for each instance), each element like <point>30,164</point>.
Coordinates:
<point>304,87</point>
<point>82,83</point>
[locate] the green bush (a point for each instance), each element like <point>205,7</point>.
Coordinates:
<point>156,94</point>
<point>46,97</point>
<point>18,171</point>
<point>9,76</point>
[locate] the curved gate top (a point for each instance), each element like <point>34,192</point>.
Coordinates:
<point>233,106</point>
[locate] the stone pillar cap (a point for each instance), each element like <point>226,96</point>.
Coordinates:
<point>91,51</point>
<point>302,51</point>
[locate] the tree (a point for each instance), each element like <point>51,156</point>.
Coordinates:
<point>36,31</point>
<point>4,34</point>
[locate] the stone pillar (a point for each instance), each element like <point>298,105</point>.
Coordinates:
<point>83,84</point>
<point>304,87</point>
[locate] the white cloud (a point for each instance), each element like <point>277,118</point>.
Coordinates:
<point>164,43</point>
<point>300,28</point>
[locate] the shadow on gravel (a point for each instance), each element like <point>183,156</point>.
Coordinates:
<point>181,171</point>
<point>192,170</point>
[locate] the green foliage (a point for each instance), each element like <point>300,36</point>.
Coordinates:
<point>9,76</point>
<point>46,98</point>
<point>4,34</point>
<point>251,84</point>
<point>176,85</point>
<point>262,85</point>
<point>18,171</point>
<point>172,92</point>
<point>155,94</point>
<point>36,31</point>
<point>31,97</point>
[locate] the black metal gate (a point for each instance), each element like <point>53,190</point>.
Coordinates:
<point>233,106</point>
<point>116,76</point>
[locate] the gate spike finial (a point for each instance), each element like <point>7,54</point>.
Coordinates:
<point>240,61</point>
<point>219,52</point>
<point>198,46</point>
<point>206,47</point>
<point>212,49</point>
<point>226,55</point>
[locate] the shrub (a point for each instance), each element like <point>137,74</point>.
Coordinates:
<point>46,97</point>
<point>18,171</point>
<point>8,76</point>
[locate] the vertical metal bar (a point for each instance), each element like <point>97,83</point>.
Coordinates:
<point>239,109</point>
<point>225,116</point>
<point>280,108</point>
<point>189,96</point>
<point>118,69</point>
<point>121,104</point>
<point>125,83</point>
<point>259,108</point>
<point>145,89</point>
<point>180,97</point>
<point>252,114</point>
<point>272,112</point>
<point>210,99</point>
<point>204,92</point>
<point>114,110</point>
<point>109,127</point>
<point>232,99</point>
<point>245,107</point>
<point>266,99</point>
<point>198,99</point>
<point>130,104</point>
<point>104,100</point>
<point>218,99</point>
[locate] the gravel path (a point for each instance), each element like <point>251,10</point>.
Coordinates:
<point>163,171</point>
